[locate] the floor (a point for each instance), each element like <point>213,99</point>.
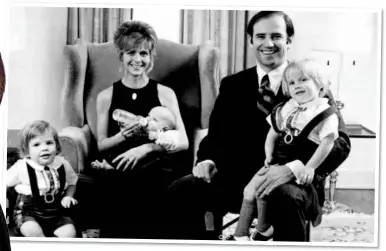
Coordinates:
<point>343,224</point>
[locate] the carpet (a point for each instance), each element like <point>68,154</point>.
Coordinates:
<point>341,224</point>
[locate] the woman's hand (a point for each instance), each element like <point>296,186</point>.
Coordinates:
<point>67,201</point>
<point>130,158</point>
<point>307,175</point>
<point>168,140</point>
<point>129,130</point>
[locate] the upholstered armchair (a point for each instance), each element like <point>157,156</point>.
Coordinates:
<point>190,70</point>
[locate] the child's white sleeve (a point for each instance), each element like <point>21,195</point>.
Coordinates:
<point>71,177</point>
<point>13,173</point>
<point>329,126</point>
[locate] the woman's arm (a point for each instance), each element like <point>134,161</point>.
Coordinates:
<point>168,99</point>
<point>102,107</point>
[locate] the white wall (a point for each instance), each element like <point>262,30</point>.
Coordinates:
<point>166,21</point>
<point>39,34</point>
<point>354,35</point>
<point>36,64</point>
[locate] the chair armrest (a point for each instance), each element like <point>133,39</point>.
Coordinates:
<point>208,66</point>
<point>76,146</point>
<point>199,134</point>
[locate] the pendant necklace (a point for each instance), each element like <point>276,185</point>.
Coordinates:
<point>134,96</point>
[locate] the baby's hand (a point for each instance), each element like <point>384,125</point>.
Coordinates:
<point>67,201</point>
<point>307,175</point>
<point>168,139</point>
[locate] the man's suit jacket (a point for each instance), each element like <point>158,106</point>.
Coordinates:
<point>238,129</point>
<point>4,236</point>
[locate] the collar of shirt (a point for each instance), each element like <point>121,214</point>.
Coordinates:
<point>274,76</point>
<point>58,161</point>
<point>312,104</point>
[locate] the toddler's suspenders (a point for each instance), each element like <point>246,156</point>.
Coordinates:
<point>310,126</point>
<point>34,183</point>
<point>316,120</point>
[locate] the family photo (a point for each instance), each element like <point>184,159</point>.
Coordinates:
<point>239,126</point>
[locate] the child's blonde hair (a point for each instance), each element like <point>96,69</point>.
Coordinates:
<point>34,129</point>
<point>310,68</point>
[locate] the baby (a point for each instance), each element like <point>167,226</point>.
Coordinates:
<point>159,120</point>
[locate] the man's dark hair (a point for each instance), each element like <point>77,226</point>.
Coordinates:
<point>266,14</point>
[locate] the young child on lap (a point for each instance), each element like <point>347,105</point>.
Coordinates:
<point>303,128</point>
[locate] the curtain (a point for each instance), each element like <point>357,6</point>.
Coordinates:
<point>227,29</point>
<point>95,25</point>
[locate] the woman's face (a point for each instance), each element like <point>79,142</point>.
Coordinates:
<point>137,60</point>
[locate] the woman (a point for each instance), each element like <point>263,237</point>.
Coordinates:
<point>137,185</point>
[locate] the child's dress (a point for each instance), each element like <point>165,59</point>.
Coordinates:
<point>40,192</point>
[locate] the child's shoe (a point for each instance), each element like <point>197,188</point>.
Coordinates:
<point>256,236</point>
<point>235,238</point>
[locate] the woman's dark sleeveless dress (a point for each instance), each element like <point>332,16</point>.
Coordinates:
<point>135,198</point>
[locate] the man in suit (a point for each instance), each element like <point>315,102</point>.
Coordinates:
<point>4,236</point>
<point>233,150</point>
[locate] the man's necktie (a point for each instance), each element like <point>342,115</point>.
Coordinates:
<point>266,102</point>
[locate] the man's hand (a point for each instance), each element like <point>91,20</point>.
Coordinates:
<point>205,170</point>
<point>276,176</point>
<point>262,171</point>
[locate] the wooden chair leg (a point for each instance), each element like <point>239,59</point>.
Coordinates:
<point>308,231</point>
<point>217,224</point>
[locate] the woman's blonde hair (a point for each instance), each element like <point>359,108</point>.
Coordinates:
<point>310,68</point>
<point>132,34</point>
<point>34,129</point>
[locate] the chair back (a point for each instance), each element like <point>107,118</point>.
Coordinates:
<point>190,70</point>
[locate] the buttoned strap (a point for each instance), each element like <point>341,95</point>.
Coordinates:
<point>275,110</point>
<point>62,178</point>
<point>316,120</point>
<point>33,181</point>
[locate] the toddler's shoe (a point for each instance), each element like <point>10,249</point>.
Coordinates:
<point>256,236</point>
<point>233,238</point>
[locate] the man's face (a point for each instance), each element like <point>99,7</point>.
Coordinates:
<point>270,42</point>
